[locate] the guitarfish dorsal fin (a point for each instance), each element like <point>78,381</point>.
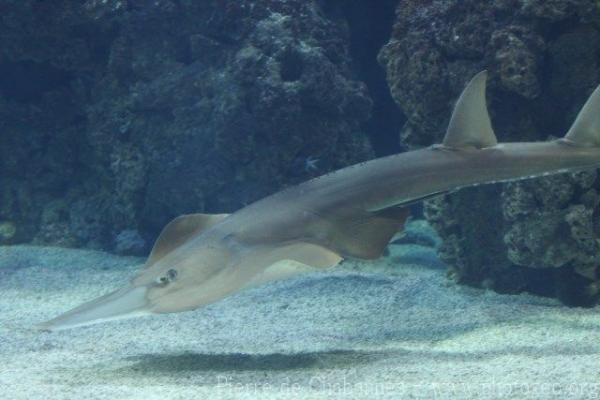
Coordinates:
<point>586,128</point>
<point>470,125</point>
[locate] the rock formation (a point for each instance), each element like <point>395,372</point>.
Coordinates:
<point>118,115</point>
<point>544,60</point>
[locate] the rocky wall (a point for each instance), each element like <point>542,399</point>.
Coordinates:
<point>116,116</point>
<point>544,60</point>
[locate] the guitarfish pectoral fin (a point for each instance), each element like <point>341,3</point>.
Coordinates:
<point>179,230</point>
<point>291,260</point>
<point>366,235</point>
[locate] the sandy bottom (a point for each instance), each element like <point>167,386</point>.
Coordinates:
<point>393,329</point>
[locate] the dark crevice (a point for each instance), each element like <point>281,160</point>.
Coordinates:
<point>370,25</point>
<point>98,40</point>
<point>562,283</point>
<point>291,66</point>
<point>27,81</point>
<point>552,31</point>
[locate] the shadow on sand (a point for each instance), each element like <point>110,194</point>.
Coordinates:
<point>170,364</point>
<point>173,363</point>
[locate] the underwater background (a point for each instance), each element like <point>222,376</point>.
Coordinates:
<point>118,115</point>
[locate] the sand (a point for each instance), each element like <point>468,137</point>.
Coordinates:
<point>396,328</point>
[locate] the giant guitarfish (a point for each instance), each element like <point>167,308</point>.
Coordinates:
<point>349,213</point>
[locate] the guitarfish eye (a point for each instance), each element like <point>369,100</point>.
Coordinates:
<point>167,278</point>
